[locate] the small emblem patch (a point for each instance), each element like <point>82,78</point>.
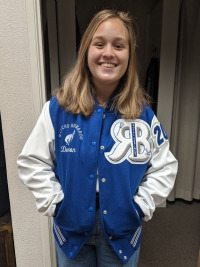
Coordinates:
<point>68,133</point>
<point>69,138</point>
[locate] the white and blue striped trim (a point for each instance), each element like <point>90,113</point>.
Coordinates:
<point>59,235</point>
<point>136,236</point>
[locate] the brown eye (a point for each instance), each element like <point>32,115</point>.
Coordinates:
<point>118,46</point>
<point>100,45</point>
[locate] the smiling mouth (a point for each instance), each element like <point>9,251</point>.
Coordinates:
<point>108,65</point>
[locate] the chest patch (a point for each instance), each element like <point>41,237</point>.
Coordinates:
<point>67,134</point>
<point>132,142</point>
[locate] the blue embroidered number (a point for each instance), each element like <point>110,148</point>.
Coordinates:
<point>160,134</point>
<point>164,133</point>
<point>157,132</point>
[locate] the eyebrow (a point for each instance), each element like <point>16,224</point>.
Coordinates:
<point>116,39</point>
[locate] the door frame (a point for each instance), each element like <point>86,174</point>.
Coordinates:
<point>36,49</point>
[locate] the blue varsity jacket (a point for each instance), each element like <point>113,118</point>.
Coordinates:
<point>121,151</point>
<point>136,172</point>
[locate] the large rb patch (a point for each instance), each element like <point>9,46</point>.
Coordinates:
<point>132,142</point>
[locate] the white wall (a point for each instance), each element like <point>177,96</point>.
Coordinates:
<point>20,105</point>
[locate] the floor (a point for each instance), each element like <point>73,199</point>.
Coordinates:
<point>172,237</point>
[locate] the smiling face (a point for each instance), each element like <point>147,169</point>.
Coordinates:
<point>108,54</point>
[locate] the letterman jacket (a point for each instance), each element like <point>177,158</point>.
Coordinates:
<point>136,172</point>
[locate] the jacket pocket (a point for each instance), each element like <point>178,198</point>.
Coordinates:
<point>57,208</point>
<point>138,211</point>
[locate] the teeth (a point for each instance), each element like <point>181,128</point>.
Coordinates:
<point>108,65</point>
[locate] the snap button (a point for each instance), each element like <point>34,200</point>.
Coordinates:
<point>103,180</point>
<point>110,237</point>
<point>91,209</point>
<point>91,176</point>
<point>102,147</point>
<point>104,115</point>
<point>94,143</point>
<point>125,257</point>
<point>105,212</point>
<point>120,251</point>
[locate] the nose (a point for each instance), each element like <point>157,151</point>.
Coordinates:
<point>108,51</point>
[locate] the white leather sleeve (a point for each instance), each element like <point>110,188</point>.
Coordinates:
<point>36,163</point>
<point>159,178</point>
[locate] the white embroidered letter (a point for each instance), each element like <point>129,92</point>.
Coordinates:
<point>132,142</point>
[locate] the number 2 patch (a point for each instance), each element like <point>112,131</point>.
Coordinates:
<point>159,134</point>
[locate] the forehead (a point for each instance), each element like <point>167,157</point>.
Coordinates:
<point>112,27</point>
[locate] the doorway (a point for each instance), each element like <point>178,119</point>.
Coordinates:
<point>7,254</point>
<point>60,50</point>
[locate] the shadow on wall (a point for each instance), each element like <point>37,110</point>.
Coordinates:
<point>7,254</point>
<point>4,197</point>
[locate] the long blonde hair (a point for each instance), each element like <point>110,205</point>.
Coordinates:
<point>76,95</point>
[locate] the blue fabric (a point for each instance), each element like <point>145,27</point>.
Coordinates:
<point>96,252</point>
<point>140,212</point>
<point>80,146</point>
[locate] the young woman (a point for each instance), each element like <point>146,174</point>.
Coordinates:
<point>98,160</point>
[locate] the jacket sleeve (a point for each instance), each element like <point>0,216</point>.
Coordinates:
<point>159,178</point>
<point>36,165</point>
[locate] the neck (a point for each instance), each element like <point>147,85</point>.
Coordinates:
<point>102,99</point>
<point>104,93</point>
